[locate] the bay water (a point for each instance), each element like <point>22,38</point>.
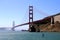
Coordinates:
<point>17,35</point>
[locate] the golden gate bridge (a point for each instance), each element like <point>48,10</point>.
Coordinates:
<point>31,22</point>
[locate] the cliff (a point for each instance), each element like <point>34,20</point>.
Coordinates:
<point>50,28</point>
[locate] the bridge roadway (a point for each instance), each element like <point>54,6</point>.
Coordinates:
<point>19,25</point>
<point>34,22</point>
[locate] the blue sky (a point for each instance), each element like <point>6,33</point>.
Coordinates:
<point>17,10</point>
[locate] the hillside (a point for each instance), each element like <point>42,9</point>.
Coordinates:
<point>50,28</point>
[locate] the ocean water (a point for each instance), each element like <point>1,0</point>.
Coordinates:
<point>16,35</point>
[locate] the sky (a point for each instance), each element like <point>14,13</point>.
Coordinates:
<point>18,11</point>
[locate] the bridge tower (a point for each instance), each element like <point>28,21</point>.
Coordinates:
<point>13,25</point>
<point>30,17</point>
